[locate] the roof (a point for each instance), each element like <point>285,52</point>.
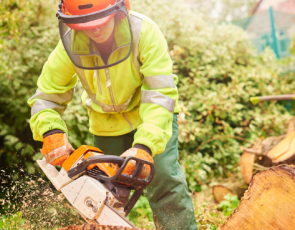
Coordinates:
<point>255,7</point>
<point>282,21</point>
<point>287,6</point>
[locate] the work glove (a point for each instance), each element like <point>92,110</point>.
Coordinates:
<point>141,154</point>
<point>56,147</point>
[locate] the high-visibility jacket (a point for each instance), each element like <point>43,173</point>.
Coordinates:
<point>139,93</point>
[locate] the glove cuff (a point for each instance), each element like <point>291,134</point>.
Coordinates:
<point>51,132</point>
<point>143,147</point>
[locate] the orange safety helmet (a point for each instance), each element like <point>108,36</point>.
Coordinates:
<point>86,7</point>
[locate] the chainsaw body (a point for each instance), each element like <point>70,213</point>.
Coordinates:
<point>92,184</point>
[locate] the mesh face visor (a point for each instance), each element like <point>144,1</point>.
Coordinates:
<point>82,50</point>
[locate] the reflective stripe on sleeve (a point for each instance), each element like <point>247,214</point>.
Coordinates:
<point>160,81</point>
<point>59,98</point>
<point>155,97</point>
<point>43,104</point>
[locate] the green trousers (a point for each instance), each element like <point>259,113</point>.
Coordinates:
<point>168,192</point>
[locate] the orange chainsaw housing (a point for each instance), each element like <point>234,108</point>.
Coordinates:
<point>87,151</point>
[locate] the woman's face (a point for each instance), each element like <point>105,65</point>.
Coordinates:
<point>102,33</point>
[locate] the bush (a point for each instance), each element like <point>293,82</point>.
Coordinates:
<point>28,32</point>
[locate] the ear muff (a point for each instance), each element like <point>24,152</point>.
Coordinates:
<point>121,15</point>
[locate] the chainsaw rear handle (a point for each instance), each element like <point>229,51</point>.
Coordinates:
<point>133,180</point>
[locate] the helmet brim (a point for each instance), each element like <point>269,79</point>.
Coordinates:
<point>91,24</point>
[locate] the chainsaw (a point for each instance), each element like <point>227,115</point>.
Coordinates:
<point>96,185</point>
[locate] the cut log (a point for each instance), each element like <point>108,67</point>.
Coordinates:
<point>284,152</point>
<point>247,163</point>
<point>234,188</point>
<point>95,227</point>
<point>291,125</point>
<point>262,147</point>
<point>268,204</point>
<point>248,160</point>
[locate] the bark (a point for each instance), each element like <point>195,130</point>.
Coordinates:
<point>268,204</point>
<point>234,188</point>
<point>95,227</point>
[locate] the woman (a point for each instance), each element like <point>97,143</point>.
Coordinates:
<point>122,61</point>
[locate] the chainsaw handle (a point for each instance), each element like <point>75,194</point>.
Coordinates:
<point>132,179</point>
<point>82,167</point>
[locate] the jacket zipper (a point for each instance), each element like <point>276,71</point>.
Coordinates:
<point>96,75</point>
<point>109,85</point>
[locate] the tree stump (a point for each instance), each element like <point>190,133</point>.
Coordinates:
<point>234,188</point>
<point>268,204</point>
<point>96,227</point>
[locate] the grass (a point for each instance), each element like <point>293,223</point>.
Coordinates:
<point>45,209</point>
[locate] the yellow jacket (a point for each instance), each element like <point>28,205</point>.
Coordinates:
<point>139,93</point>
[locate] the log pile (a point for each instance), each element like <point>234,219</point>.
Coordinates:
<point>270,152</point>
<point>268,203</point>
<point>95,227</point>
<point>257,156</point>
<point>263,154</point>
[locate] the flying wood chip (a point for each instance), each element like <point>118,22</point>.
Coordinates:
<point>96,227</point>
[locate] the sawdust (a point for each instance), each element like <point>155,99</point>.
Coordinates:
<point>41,206</point>
<point>96,227</point>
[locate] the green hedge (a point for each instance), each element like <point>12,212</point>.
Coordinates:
<point>218,69</point>
<point>28,33</point>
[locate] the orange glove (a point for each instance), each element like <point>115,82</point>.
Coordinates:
<point>56,148</point>
<point>141,154</point>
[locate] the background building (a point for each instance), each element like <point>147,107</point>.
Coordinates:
<point>271,24</point>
